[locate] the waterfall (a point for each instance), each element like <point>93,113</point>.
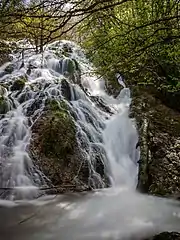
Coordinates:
<point>102,124</point>
<point>113,132</point>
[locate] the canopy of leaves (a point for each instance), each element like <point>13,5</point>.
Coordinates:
<point>43,21</point>
<point>140,39</point>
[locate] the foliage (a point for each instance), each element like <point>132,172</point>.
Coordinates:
<point>43,21</point>
<point>139,39</point>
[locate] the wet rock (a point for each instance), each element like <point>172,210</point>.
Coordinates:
<point>18,84</point>
<point>55,149</point>
<point>9,69</point>
<point>66,89</point>
<point>100,162</point>
<point>71,69</point>
<point>100,103</point>
<point>159,165</point>
<point>3,91</point>
<point>167,236</point>
<point>4,53</point>
<point>4,105</point>
<point>34,106</point>
<point>67,49</point>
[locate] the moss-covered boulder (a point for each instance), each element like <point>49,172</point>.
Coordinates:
<point>55,149</point>
<point>71,67</point>
<point>60,124</point>
<point>159,130</point>
<point>18,84</point>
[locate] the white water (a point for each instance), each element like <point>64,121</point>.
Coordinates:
<point>112,133</point>
<point>115,213</point>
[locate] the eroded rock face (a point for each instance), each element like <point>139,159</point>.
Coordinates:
<point>55,149</point>
<point>159,130</point>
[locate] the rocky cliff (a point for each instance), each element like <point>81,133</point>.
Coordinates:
<point>159,131</point>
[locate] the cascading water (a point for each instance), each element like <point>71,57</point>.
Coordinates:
<point>95,127</point>
<point>103,123</point>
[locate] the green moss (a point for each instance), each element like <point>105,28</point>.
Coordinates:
<point>55,105</point>
<point>18,84</point>
<point>71,67</point>
<point>59,136</point>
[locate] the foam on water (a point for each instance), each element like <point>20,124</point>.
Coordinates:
<point>116,213</point>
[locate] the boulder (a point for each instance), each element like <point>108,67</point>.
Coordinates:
<point>9,69</point>
<point>55,149</point>
<point>4,105</point>
<point>18,84</point>
<point>66,89</point>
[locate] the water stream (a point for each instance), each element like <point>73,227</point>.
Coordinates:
<point>101,120</point>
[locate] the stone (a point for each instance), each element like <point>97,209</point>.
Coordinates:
<point>18,84</point>
<point>65,89</point>
<point>10,68</point>
<point>4,106</point>
<point>55,149</point>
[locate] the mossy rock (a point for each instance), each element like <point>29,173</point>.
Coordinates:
<point>3,91</point>
<point>55,148</point>
<point>18,84</point>
<point>10,68</point>
<point>71,67</point>
<point>4,106</point>
<point>59,137</point>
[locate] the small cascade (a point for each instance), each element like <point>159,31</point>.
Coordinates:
<point>120,139</point>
